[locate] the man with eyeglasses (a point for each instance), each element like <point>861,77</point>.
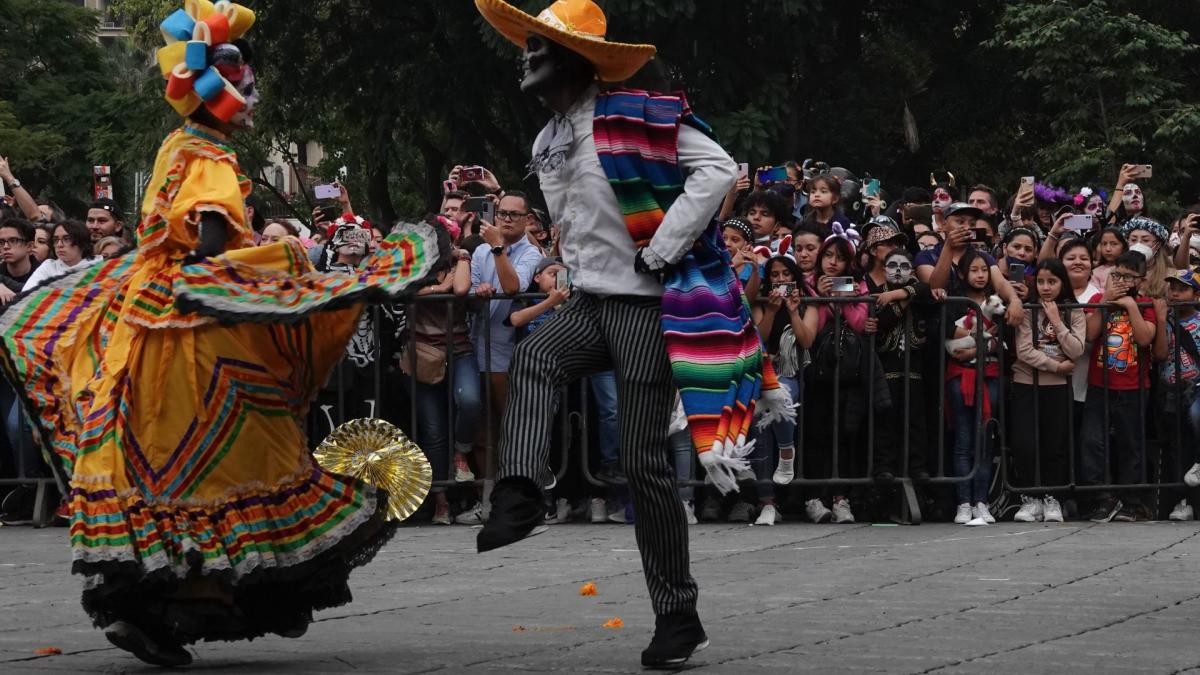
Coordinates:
<point>505,265</point>
<point>18,261</point>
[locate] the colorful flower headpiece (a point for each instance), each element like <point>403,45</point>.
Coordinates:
<point>849,234</point>
<point>1085,193</point>
<point>194,62</point>
<point>451,226</point>
<point>347,221</point>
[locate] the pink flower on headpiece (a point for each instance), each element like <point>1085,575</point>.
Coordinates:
<point>451,226</point>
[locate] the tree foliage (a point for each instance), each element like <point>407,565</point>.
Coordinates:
<point>399,92</point>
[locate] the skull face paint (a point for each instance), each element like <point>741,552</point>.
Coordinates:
<point>1131,197</point>
<point>898,269</point>
<point>941,199</point>
<point>244,119</point>
<point>1094,206</point>
<point>351,240</point>
<point>547,65</point>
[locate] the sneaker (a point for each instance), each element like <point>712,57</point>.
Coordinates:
<point>690,511</point>
<point>964,514</point>
<point>562,511</point>
<point>711,510</point>
<point>1126,514</point>
<point>785,471</point>
<point>1192,477</point>
<point>981,511</point>
<point>620,514</point>
<point>768,516</point>
<point>462,469</point>
<point>676,638</point>
<point>550,513</point>
<point>1105,511</point>
<point>549,479</point>
<point>1031,510</point>
<point>817,512</point>
<point>842,515</point>
<point>598,510</point>
<point>1051,510</point>
<point>62,515</point>
<point>472,516</point>
<point>1183,511</point>
<point>741,512</point>
<point>441,514</point>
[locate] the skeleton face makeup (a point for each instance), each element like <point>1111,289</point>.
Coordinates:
<point>244,119</point>
<point>941,198</point>
<point>1131,197</point>
<point>351,240</point>
<point>1094,205</point>
<point>898,269</point>
<point>548,66</point>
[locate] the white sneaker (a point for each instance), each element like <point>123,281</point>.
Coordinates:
<point>690,511</point>
<point>741,513</point>
<point>1031,510</point>
<point>598,510</point>
<point>964,514</point>
<point>1183,511</point>
<point>981,511</point>
<point>1051,510</point>
<point>768,516</point>
<point>785,471</point>
<point>817,512</point>
<point>842,515</point>
<point>473,516</point>
<point>619,514</point>
<point>1192,477</point>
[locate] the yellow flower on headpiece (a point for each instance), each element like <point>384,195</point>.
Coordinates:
<point>191,33</point>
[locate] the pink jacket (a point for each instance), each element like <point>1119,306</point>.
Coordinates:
<point>855,314</point>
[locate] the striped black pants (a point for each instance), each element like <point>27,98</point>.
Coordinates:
<point>591,334</point>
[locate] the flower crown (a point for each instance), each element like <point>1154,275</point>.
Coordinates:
<point>1085,193</point>
<point>194,35</point>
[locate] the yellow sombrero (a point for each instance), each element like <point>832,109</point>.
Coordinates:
<point>578,25</point>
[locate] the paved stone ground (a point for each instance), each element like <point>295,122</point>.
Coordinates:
<point>793,598</point>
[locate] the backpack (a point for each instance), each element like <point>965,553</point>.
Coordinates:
<point>834,344</point>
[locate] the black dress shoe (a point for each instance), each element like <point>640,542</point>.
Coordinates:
<point>517,513</point>
<point>137,642</point>
<point>676,638</point>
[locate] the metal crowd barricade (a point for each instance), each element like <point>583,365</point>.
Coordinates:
<point>1074,484</point>
<point>43,506</point>
<point>578,420</point>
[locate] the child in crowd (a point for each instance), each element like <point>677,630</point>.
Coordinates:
<point>1118,335</point>
<point>835,262</point>
<point>1109,245</point>
<point>764,210</point>
<point>739,240</point>
<point>1176,338</point>
<point>824,206</point>
<point>788,328</point>
<point>1048,342</point>
<point>963,395</point>
<point>898,333</point>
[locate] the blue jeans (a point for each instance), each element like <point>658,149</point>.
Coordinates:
<point>27,458</point>
<point>681,448</point>
<point>604,390</point>
<point>433,417</point>
<point>976,489</point>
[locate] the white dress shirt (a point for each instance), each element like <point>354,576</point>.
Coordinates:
<point>593,239</point>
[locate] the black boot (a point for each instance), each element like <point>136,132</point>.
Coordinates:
<point>517,513</point>
<point>158,651</point>
<point>676,638</point>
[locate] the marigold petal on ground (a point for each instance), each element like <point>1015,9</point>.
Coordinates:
<point>588,589</point>
<point>614,622</point>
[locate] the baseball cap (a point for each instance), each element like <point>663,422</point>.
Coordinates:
<point>961,208</point>
<point>1185,276</point>
<point>108,205</point>
<point>546,263</point>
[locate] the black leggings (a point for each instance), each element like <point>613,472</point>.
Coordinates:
<point>1051,434</point>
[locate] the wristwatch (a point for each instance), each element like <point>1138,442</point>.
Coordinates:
<point>14,183</point>
<point>497,250</point>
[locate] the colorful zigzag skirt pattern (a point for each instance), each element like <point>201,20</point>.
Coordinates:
<point>172,396</point>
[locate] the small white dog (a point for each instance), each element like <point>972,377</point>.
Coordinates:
<point>993,307</point>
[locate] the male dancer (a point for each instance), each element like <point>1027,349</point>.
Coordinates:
<point>633,180</point>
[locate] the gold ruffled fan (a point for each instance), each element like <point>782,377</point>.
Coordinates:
<point>379,454</point>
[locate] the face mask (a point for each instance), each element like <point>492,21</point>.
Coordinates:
<point>898,270</point>
<point>1131,197</point>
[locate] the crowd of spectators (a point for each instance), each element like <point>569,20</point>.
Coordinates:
<point>947,320</point>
